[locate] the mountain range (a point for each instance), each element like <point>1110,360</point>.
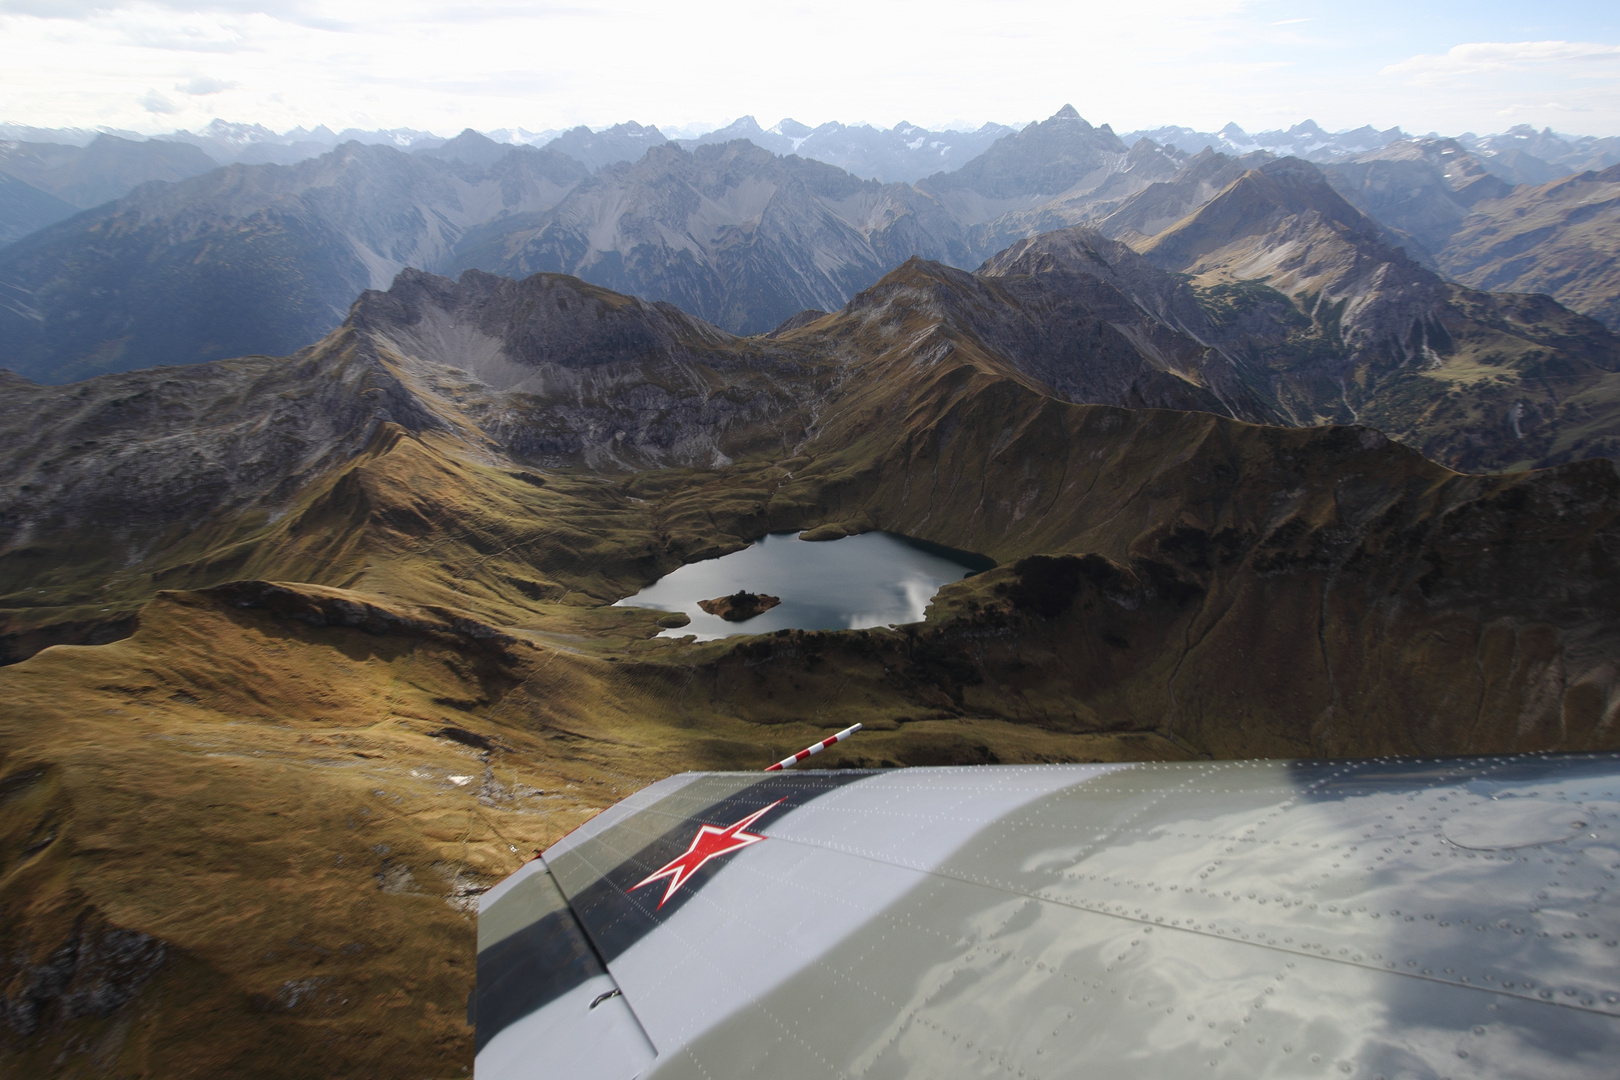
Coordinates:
<point>997,185</point>
<point>1319,310</point>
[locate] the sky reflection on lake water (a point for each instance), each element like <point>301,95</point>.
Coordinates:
<point>874,579</point>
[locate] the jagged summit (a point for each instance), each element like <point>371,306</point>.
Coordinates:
<point>470,147</point>
<point>1046,159</point>
<point>621,142</point>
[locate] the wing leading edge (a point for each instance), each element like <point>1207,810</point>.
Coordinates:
<point>1395,918</point>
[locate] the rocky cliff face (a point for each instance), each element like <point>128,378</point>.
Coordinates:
<point>729,232</point>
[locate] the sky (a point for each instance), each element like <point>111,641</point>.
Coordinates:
<point>160,65</point>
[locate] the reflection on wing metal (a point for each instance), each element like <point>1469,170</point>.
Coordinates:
<point>1387,918</point>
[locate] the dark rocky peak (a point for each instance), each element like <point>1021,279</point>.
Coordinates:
<point>1084,252</point>
<point>470,148</point>
<point>502,330</point>
<point>621,142</point>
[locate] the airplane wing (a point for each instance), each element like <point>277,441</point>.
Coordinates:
<point>1388,918</point>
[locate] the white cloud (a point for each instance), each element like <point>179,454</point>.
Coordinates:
<point>1567,85</point>
<point>1496,57</point>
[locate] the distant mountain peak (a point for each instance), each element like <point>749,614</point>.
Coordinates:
<point>621,142</point>
<point>637,131</point>
<point>472,147</point>
<point>1047,158</point>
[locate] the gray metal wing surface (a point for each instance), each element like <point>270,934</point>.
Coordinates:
<point>1384,918</point>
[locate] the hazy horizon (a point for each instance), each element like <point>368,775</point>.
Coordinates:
<point>154,66</point>
<point>698,130</point>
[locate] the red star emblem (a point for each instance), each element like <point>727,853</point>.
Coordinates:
<point>709,843</point>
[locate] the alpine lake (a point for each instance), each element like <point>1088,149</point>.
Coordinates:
<point>870,579</point>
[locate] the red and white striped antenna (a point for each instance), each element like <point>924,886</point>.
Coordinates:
<point>814,748</point>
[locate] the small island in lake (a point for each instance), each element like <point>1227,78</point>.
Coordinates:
<point>740,605</point>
